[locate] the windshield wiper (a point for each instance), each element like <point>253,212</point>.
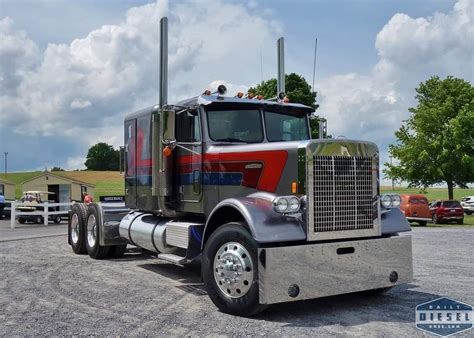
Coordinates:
<point>230,139</point>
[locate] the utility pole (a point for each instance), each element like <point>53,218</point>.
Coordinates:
<point>393,187</point>
<point>6,163</point>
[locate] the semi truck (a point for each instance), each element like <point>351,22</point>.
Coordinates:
<point>237,185</point>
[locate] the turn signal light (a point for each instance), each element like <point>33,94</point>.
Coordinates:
<point>294,187</point>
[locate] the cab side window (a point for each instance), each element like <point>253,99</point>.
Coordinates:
<point>188,127</point>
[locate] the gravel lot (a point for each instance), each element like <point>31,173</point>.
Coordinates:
<point>47,290</point>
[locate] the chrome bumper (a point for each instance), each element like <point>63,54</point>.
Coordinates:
<point>319,270</point>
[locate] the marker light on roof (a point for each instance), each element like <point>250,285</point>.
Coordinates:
<point>207,92</point>
<point>239,95</point>
<point>259,97</point>
<point>250,95</point>
<point>286,99</point>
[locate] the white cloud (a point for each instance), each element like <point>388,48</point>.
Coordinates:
<point>90,84</point>
<point>372,106</point>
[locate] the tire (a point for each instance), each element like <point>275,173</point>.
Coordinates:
<point>468,212</point>
<point>21,220</point>
<point>422,223</point>
<point>38,220</point>
<point>57,219</point>
<point>241,297</point>
<point>460,221</point>
<point>92,233</point>
<point>77,228</point>
<point>436,220</point>
<point>117,251</point>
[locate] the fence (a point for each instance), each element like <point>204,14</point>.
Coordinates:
<point>45,212</point>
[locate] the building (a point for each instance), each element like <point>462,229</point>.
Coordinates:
<point>7,189</point>
<point>65,188</point>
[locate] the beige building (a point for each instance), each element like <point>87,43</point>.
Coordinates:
<point>7,189</point>
<point>66,189</point>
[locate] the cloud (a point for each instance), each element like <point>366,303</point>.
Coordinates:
<point>372,106</point>
<point>114,69</point>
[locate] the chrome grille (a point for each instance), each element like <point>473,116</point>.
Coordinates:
<point>343,193</point>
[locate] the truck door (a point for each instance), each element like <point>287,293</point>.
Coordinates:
<point>130,164</point>
<point>189,160</point>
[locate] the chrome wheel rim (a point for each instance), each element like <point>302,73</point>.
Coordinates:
<point>75,228</point>
<point>233,270</point>
<point>91,231</point>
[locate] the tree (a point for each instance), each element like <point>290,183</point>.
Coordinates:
<point>297,90</point>
<point>102,156</point>
<point>57,169</point>
<point>436,143</point>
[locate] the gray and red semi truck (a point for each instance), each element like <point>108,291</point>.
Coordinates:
<point>237,184</point>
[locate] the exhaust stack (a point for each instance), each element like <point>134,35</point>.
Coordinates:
<point>163,100</point>
<point>281,66</point>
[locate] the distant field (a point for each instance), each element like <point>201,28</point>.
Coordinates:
<point>106,182</point>
<point>431,193</point>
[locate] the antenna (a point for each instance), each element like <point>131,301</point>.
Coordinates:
<point>314,63</point>
<point>281,66</point>
<point>261,64</point>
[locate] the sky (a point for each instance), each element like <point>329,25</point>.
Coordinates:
<point>71,69</point>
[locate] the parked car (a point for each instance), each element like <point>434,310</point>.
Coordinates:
<point>467,204</point>
<point>443,211</point>
<point>416,208</point>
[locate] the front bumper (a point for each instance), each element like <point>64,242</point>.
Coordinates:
<point>319,270</point>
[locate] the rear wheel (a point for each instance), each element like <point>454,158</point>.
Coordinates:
<point>94,249</point>
<point>468,212</point>
<point>460,221</point>
<point>230,270</point>
<point>422,223</point>
<point>21,220</point>
<point>39,220</point>
<point>77,228</point>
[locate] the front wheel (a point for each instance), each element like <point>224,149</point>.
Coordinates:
<point>230,270</point>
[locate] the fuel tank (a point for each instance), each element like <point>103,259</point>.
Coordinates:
<point>146,231</point>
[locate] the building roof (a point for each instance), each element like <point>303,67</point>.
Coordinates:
<point>72,180</point>
<point>4,181</point>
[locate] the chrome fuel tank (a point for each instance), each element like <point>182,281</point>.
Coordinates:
<point>146,231</point>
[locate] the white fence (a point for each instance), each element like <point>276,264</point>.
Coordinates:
<point>45,213</point>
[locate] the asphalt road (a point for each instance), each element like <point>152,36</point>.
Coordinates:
<point>47,290</point>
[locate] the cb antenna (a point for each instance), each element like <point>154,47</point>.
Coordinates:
<point>314,63</point>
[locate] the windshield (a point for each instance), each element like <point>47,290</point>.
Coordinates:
<point>235,126</point>
<point>281,127</point>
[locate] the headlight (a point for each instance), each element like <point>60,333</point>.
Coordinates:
<point>294,204</point>
<point>280,204</point>
<point>286,204</point>
<point>390,201</point>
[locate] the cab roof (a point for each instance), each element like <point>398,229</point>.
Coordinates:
<point>216,102</point>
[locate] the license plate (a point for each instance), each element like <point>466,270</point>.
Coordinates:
<point>453,210</point>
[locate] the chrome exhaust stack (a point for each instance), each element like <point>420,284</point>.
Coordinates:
<point>163,62</point>
<point>281,66</point>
